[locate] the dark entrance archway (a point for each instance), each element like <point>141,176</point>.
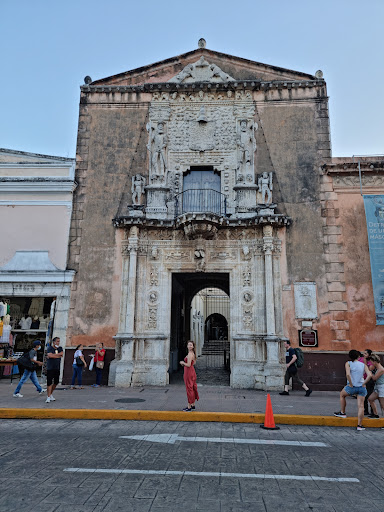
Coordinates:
<point>185,286</point>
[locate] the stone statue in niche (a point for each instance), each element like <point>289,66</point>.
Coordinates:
<point>157,148</point>
<point>265,187</point>
<point>138,184</point>
<point>199,255</point>
<point>246,146</point>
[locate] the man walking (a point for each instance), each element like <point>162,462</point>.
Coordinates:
<point>54,355</point>
<point>291,370</point>
<point>354,371</point>
<point>31,361</point>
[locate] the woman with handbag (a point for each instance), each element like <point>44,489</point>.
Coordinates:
<point>78,365</point>
<point>99,364</point>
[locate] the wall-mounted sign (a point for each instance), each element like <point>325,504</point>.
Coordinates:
<point>374,212</point>
<point>305,300</point>
<point>308,338</point>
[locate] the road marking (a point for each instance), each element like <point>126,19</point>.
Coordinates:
<point>172,438</point>
<point>205,474</point>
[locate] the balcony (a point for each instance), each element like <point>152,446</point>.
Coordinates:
<point>200,212</point>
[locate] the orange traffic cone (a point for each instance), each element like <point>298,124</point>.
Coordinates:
<point>269,422</point>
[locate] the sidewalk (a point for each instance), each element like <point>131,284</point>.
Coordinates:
<point>217,403</point>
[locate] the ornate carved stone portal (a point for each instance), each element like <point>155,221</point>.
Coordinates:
<point>185,231</point>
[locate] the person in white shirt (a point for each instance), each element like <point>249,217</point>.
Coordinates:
<point>78,365</point>
<point>354,371</point>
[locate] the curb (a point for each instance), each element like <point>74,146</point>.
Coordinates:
<point>224,417</point>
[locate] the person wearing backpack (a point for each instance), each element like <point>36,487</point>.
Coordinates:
<point>29,362</point>
<point>294,358</point>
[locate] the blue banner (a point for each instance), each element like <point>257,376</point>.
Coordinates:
<point>374,212</point>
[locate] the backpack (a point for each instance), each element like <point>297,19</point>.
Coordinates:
<point>25,363</point>
<point>300,357</point>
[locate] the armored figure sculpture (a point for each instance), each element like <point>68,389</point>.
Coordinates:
<point>265,187</point>
<point>246,147</point>
<point>138,184</point>
<point>157,146</point>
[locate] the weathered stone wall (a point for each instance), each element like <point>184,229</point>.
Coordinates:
<point>107,155</point>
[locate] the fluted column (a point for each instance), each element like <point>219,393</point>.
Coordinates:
<point>133,243</point>
<point>268,266</point>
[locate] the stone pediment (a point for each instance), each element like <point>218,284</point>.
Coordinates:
<point>201,71</point>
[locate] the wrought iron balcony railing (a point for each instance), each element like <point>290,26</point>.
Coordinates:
<point>201,201</point>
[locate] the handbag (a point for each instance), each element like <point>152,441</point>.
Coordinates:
<point>25,363</point>
<point>100,364</point>
<point>79,361</point>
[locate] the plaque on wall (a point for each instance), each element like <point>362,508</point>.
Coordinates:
<point>305,300</point>
<point>308,338</point>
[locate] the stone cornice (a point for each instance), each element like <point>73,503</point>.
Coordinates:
<point>36,185</point>
<point>279,220</point>
<point>255,85</point>
<point>347,168</point>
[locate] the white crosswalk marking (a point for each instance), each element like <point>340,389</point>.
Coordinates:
<point>172,438</point>
<point>205,474</point>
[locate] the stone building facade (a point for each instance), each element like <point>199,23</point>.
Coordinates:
<point>206,170</point>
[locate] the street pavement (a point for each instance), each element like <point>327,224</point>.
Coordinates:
<point>84,466</point>
<point>173,398</point>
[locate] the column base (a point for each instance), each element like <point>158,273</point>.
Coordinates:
<point>128,374</point>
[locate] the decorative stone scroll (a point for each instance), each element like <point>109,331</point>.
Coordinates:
<point>201,71</point>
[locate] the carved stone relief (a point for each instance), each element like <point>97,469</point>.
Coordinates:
<point>154,276</point>
<point>152,317</point>
<point>222,255</point>
<point>178,255</point>
<point>201,71</point>
<point>305,300</point>
<point>247,318</point>
<point>247,275</point>
<point>354,181</point>
<point>246,147</point>
<point>247,297</point>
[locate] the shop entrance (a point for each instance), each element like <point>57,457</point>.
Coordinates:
<point>200,310</point>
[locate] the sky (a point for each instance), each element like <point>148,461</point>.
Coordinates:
<point>48,47</point>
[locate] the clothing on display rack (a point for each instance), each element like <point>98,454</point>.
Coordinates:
<point>25,323</point>
<point>3,308</point>
<point>4,338</point>
<point>53,306</point>
<point>36,307</point>
<point>35,323</point>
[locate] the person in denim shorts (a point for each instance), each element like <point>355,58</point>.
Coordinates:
<point>354,371</point>
<point>378,381</point>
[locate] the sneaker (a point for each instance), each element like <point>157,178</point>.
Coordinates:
<point>53,399</point>
<point>340,414</point>
<point>48,400</point>
<point>43,390</point>
<point>187,409</point>
<point>374,416</point>
<point>308,392</point>
<point>360,427</point>
<point>193,407</point>
<point>284,393</point>
<point>17,395</point>
<point>366,413</point>
<point>96,386</point>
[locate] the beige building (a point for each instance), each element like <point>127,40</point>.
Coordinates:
<point>36,206</point>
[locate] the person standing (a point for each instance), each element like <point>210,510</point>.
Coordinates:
<point>190,377</point>
<point>291,370</point>
<point>378,382</point>
<point>354,371</point>
<point>78,365</point>
<point>30,370</point>
<point>99,364</point>
<point>54,355</point>
<point>371,383</point>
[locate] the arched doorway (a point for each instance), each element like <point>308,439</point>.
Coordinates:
<point>201,311</point>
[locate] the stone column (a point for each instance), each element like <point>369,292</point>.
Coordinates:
<point>268,268</point>
<point>131,292</point>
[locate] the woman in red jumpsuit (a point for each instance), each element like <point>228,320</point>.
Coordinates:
<point>190,376</point>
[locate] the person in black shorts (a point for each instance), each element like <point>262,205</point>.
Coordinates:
<point>54,355</point>
<point>291,370</point>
